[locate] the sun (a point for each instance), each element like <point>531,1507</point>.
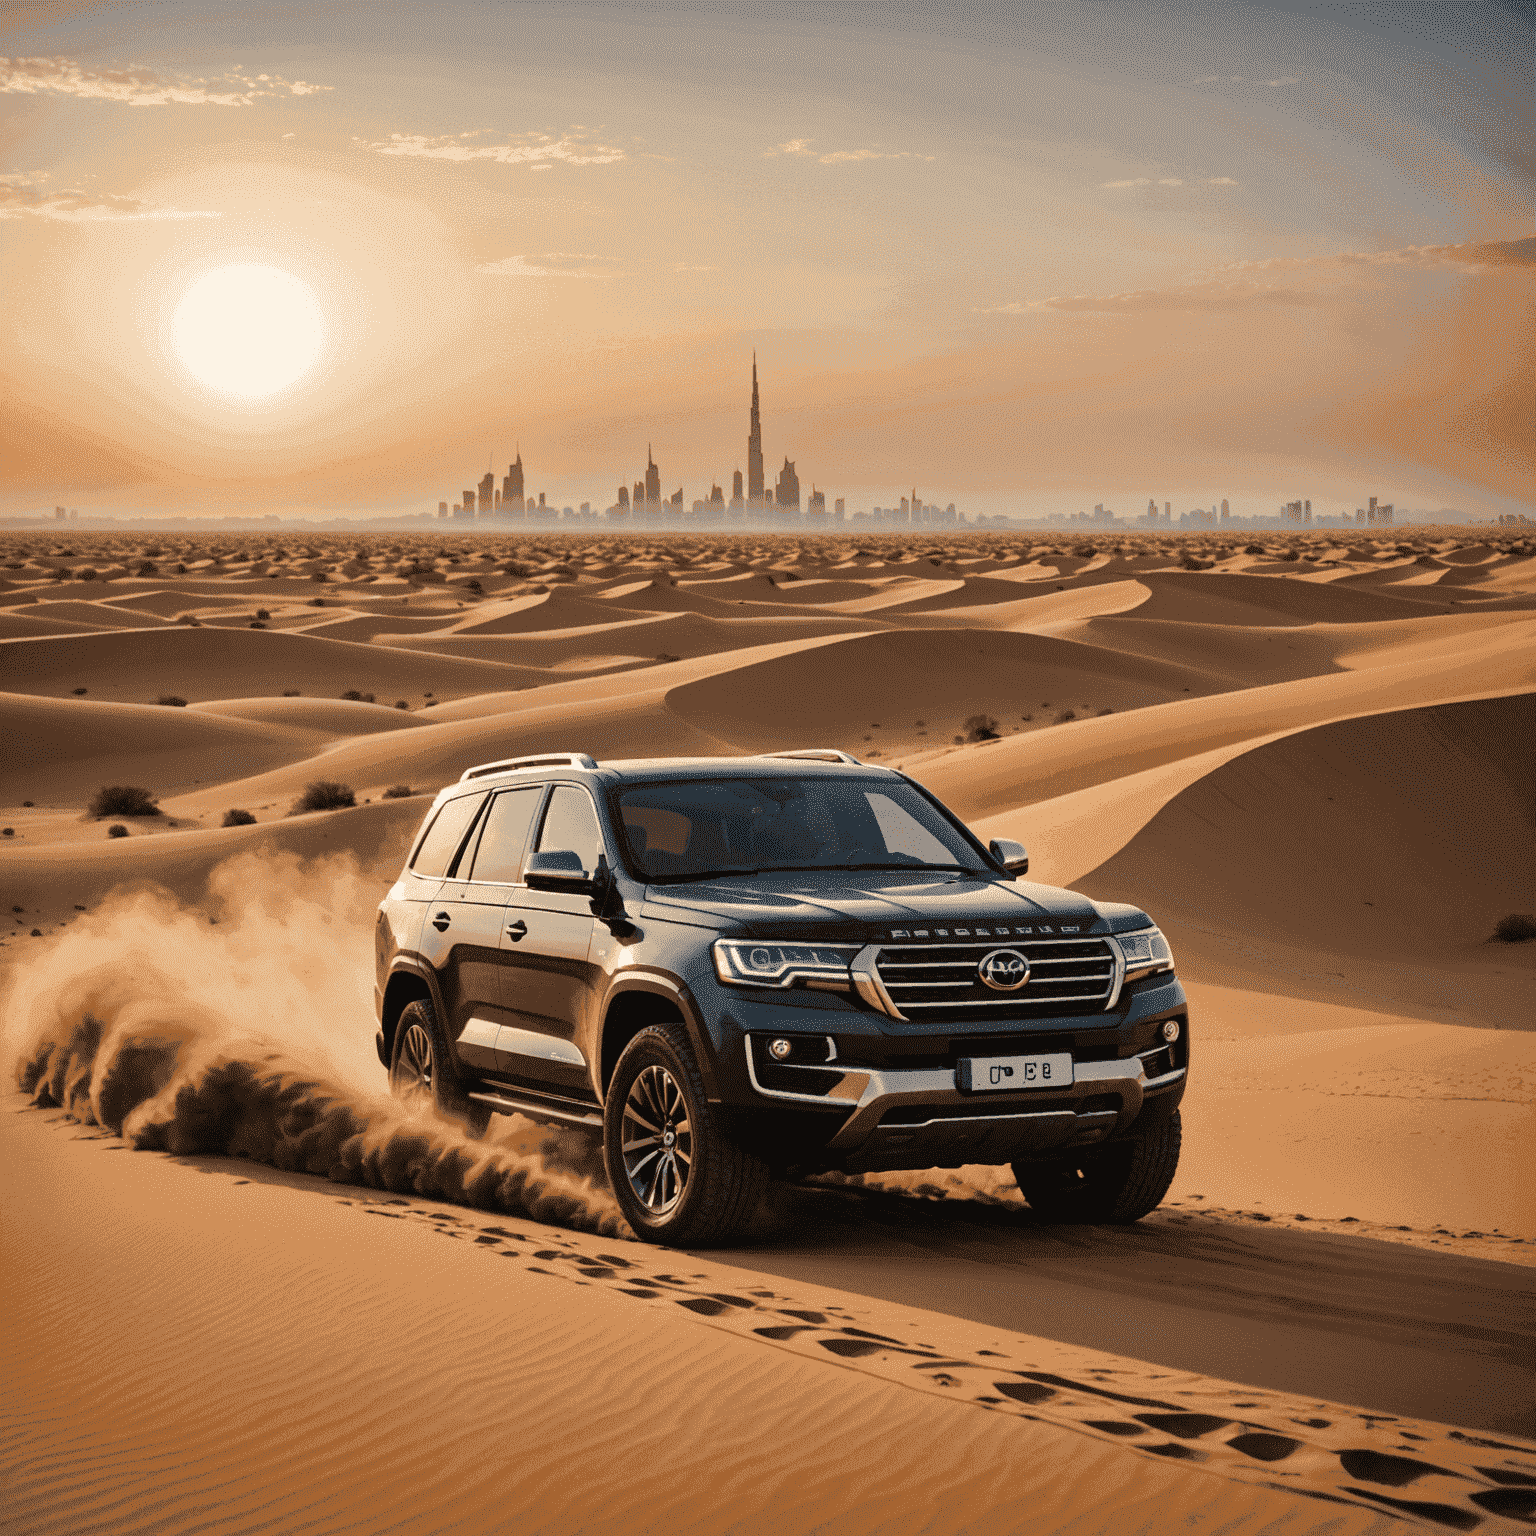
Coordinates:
<point>247,330</point>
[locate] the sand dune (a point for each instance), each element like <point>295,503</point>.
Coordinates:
<point>328,717</point>
<point>59,752</point>
<point>199,664</point>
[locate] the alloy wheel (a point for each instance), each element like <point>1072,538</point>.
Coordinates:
<point>412,1075</point>
<point>657,1140</point>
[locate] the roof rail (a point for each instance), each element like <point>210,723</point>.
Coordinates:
<point>818,755</point>
<point>548,760</point>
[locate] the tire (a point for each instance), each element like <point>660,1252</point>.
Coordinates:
<point>681,1179</point>
<point>1115,1184</point>
<point>420,1068</point>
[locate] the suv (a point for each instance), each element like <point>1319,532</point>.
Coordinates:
<point>739,968</point>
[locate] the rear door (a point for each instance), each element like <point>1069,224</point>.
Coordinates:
<point>549,944</point>
<point>454,929</point>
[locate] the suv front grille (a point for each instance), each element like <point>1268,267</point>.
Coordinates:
<point>938,983</point>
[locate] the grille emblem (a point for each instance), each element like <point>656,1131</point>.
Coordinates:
<point>1004,970</point>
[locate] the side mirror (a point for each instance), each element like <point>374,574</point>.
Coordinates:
<point>558,869</point>
<point>1011,855</point>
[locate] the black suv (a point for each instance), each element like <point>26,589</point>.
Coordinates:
<point>736,968</point>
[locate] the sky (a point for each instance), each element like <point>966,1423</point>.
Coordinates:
<point>1023,257</point>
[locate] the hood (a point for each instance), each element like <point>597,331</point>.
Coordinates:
<point>862,906</point>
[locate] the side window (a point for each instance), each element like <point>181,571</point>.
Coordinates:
<point>436,850</point>
<point>503,834</point>
<point>571,822</point>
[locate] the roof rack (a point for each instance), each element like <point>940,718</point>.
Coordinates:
<point>818,755</point>
<point>548,760</point>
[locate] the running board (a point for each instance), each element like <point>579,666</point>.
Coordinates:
<point>506,1105</point>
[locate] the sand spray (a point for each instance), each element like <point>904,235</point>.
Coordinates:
<point>243,1027</point>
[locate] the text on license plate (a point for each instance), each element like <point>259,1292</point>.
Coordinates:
<point>996,1074</point>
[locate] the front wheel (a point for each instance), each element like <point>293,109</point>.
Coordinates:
<point>678,1176</point>
<point>420,1072</point>
<point>1119,1183</point>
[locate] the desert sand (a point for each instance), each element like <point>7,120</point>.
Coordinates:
<point>1310,757</point>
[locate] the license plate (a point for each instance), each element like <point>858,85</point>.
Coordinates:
<point>1000,1074</point>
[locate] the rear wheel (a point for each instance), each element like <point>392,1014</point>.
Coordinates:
<point>1118,1183</point>
<point>678,1175</point>
<point>421,1071</point>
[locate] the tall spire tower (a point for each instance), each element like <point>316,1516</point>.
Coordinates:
<point>755,447</point>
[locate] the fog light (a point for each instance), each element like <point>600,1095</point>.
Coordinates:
<point>1171,1031</point>
<point>779,1049</point>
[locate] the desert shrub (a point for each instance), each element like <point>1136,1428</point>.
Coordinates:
<point>358,698</point>
<point>123,800</point>
<point>290,693</point>
<point>1085,552</point>
<point>85,573</point>
<point>317,602</point>
<point>257,624</point>
<point>7,831</point>
<point>117,829</point>
<point>80,693</point>
<point>1290,554</point>
<point>1253,549</point>
<point>189,621</point>
<point>1195,563</point>
<point>324,795</point>
<point>1065,716</point>
<point>1106,711</point>
<point>146,568</point>
<point>398,792</point>
<point>1515,929</point>
<point>318,576</point>
<point>667,656</point>
<point>401,704</point>
<point>473,584</point>
<point>980,728</point>
<point>238,819</point>
<point>261,613</point>
<point>181,570</point>
<point>172,700</point>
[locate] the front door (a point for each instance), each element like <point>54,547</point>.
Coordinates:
<point>549,973</point>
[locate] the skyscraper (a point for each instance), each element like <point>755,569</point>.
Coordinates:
<point>736,488</point>
<point>487,493</point>
<point>755,447</point>
<point>512,486</point>
<point>652,479</point>
<point>787,493</point>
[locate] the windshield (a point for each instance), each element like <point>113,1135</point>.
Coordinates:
<point>694,827</point>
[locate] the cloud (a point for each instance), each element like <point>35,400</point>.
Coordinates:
<point>139,87</point>
<point>22,197</point>
<point>538,151</point>
<point>840,156</point>
<point>1285,282</point>
<point>1169,181</point>
<point>552,264</point>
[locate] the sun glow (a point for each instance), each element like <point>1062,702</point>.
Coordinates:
<point>249,331</point>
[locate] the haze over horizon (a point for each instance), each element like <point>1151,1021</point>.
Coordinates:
<point>1027,258</point>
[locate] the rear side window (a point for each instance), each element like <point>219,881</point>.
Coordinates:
<point>499,857</point>
<point>570,822</point>
<point>437,848</point>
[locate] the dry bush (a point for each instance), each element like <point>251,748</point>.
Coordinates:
<point>123,800</point>
<point>117,829</point>
<point>173,700</point>
<point>324,795</point>
<point>398,792</point>
<point>238,819</point>
<point>1515,929</point>
<point>981,728</point>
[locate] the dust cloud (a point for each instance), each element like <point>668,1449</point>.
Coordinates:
<point>243,1027</point>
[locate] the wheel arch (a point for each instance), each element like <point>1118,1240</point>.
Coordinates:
<point>634,1004</point>
<point>406,985</point>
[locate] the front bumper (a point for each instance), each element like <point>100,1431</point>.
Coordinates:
<point>918,1118</point>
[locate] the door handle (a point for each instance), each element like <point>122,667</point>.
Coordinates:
<point>441,921</point>
<point>517,930</point>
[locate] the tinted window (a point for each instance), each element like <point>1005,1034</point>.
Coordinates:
<point>693,827</point>
<point>503,834</point>
<point>570,822</point>
<point>446,833</point>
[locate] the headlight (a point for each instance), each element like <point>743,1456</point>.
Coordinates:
<point>764,963</point>
<point>1145,951</point>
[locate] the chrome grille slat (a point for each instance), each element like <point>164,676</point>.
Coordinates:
<point>928,982</point>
